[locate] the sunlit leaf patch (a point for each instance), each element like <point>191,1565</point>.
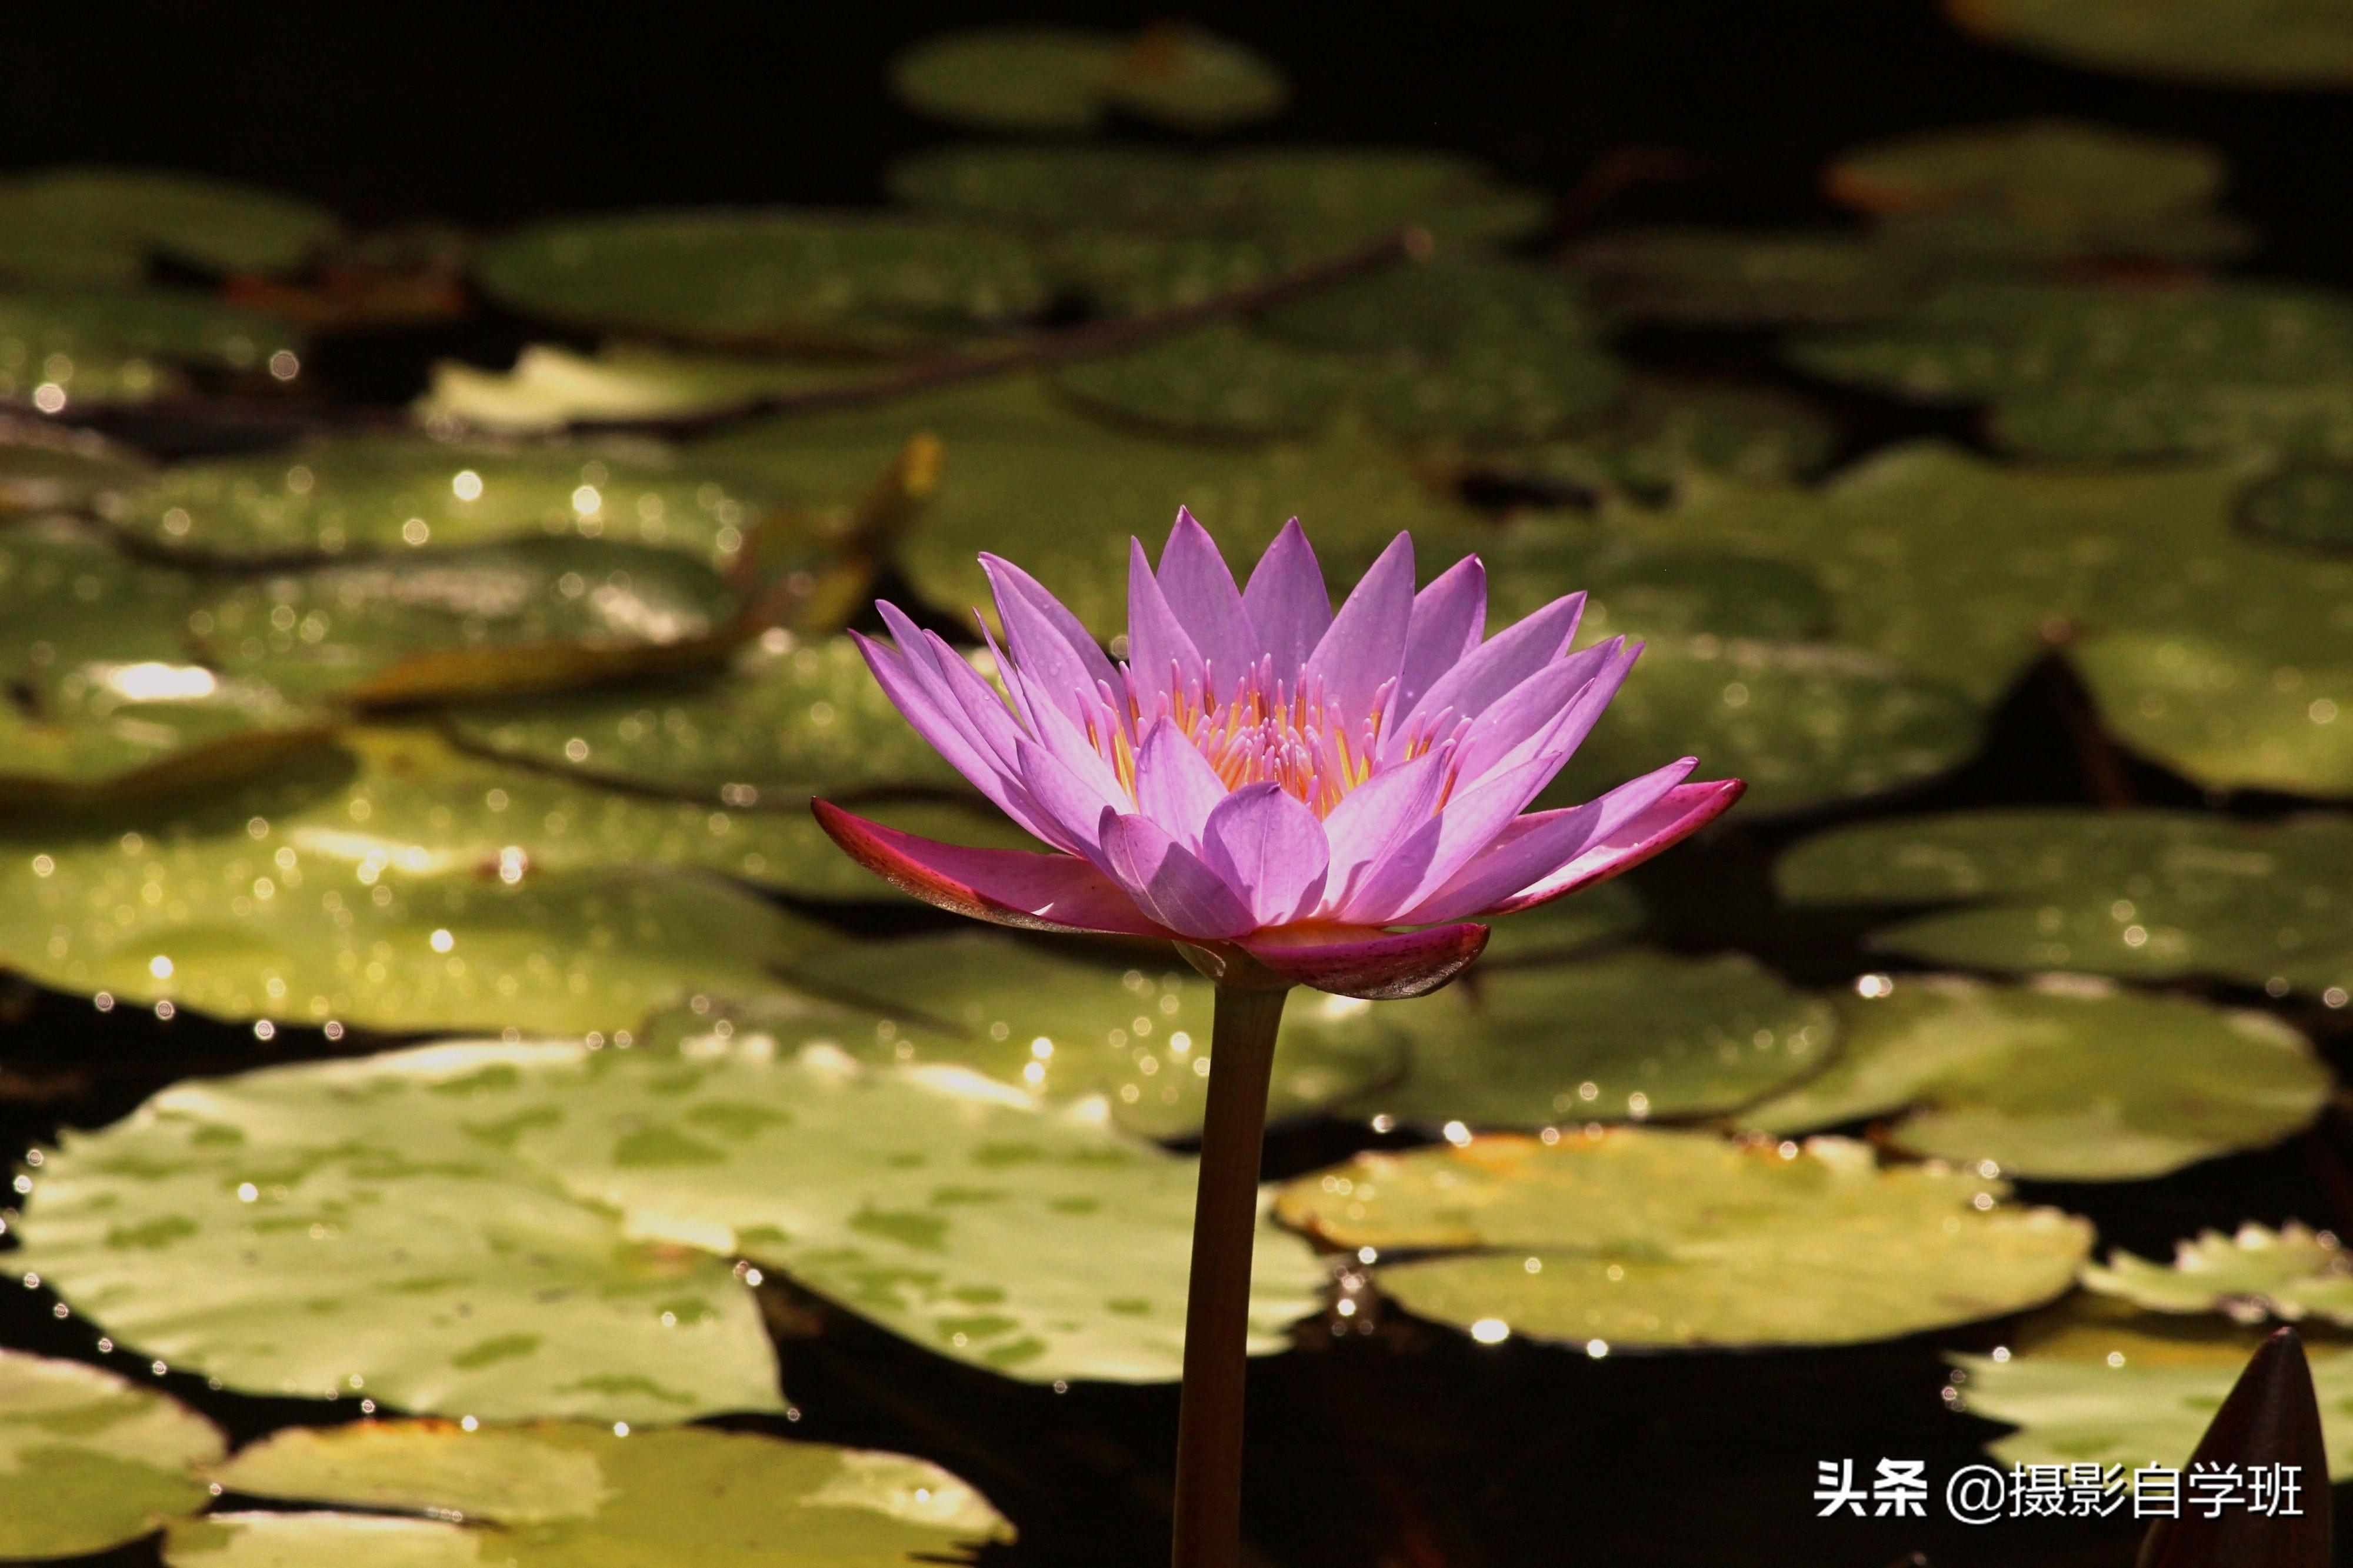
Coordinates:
<point>2251,1275</point>
<point>89,1460</point>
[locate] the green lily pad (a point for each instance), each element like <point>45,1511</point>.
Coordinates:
<point>2308,505</point>
<point>2226,717</point>
<point>362,1228</point>
<point>1070,78</point>
<point>2095,1382</point>
<point>90,1461</point>
<point>1036,481</point>
<point>1122,272</point>
<point>2251,43</point>
<point>80,225</point>
<point>120,731</point>
<point>1642,1238</point>
<point>1436,308</point>
<point>70,599</point>
<point>550,388</point>
<point>2041,190</point>
<point>60,349</point>
<point>1806,724</point>
<point>2130,422</point>
<point>400,494</point>
<point>1317,198</point>
<point>773,278</point>
<point>2060,1083</point>
<point>537,615</point>
<point>1592,917</point>
<point>2141,895</point>
<point>787,719</point>
<point>1664,431</point>
<point>54,468</point>
<point>1069,1030</point>
<point>1632,1035</point>
<point>1636,590</point>
<point>564,1494</point>
<point>1744,277</point>
<point>1218,380</point>
<point>2257,1274</point>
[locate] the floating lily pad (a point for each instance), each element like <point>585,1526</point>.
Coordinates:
<point>2096,1383</point>
<point>550,388</point>
<point>2308,505</point>
<point>1034,480</point>
<point>2257,1274</point>
<point>54,468</point>
<point>61,350</point>
<point>120,731</point>
<point>90,1461</point>
<point>80,227</point>
<point>342,1228</point>
<point>556,1494</point>
<point>1217,381</point>
<point>771,277</point>
<point>2069,1082</point>
<point>1637,590</point>
<point>535,616</point>
<point>1069,1030</point>
<point>2228,716</point>
<point>1743,278</point>
<point>2043,190</point>
<point>787,719</point>
<point>1664,431</point>
<point>2141,895</point>
<point>1122,272</point>
<point>1805,724</point>
<point>396,494</point>
<point>1593,917</point>
<point>2252,43</point>
<point>1316,197</point>
<point>1643,1238</point>
<point>1069,78</point>
<point>68,599</point>
<point>2129,422</point>
<point>1632,1035</point>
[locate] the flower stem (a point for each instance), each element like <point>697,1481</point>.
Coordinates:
<point>1217,1307</point>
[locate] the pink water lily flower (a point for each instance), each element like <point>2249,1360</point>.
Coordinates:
<point>1265,777</point>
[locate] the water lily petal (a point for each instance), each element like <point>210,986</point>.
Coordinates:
<point>949,730</point>
<point>1288,603</point>
<point>1450,618</point>
<point>1168,882</point>
<point>1046,642</point>
<point>1365,961</point>
<point>1370,819</point>
<point>1008,887</point>
<point>1495,666</point>
<point>1682,812</point>
<point>1268,848</point>
<point>1199,588</point>
<point>1586,680</point>
<point>1161,658</point>
<point>1364,647</point>
<point>1175,785</point>
<point>1072,801</point>
<point>1532,847</point>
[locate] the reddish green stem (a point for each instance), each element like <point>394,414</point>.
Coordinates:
<point>1217,1308</point>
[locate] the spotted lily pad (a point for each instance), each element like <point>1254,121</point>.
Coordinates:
<point>90,1461</point>
<point>2255,1273</point>
<point>1633,1035</point>
<point>787,719</point>
<point>1642,1238</point>
<point>555,1493</point>
<point>1218,380</point>
<point>1665,430</point>
<point>2251,43</point>
<point>1805,724</point>
<point>2094,1382</point>
<point>1637,590</point>
<point>1069,78</point>
<point>78,227</point>
<point>1593,917</point>
<point>550,388</point>
<point>2141,895</point>
<point>397,494</point>
<point>2043,190</point>
<point>54,468</point>
<point>534,616</point>
<point>1739,278</point>
<point>1069,1030</point>
<point>362,1228</point>
<point>119,731</point>
<point>2226,715</point>
<point>773,278</point>
<point>68,599</point>
<point>2058,1082</point>
<point>60,350</point>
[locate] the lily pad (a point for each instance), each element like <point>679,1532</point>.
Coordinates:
<point>54,468</point>
<point>1218,380</point>
<point>90,1461</point>
<point>361,1228</point>
<point>401,494</point>
<point>58,350</point>
<point>1593,917</point>
<point>2141,895</point>
<point>1664,431</point>
<point>2041,190</point>
<point>787,719</point>
<point>1314,198</point>
<point>2226,716</point>
<point>1069,1030</point>
<point>2096,1383</point>
<point>2309,506</point>
<point>1632,1035</point>
<point>1642,1238</point>
<point>2250,43</point>
<point>1123,272</point>
<point>534,616</point>
<point>550,388</point>
<point>81,226</point>
<point>1806,724</point>
<point>1637,590</point>
<point>2059,1083</point>
<point>2256,1274</point>
<point>767,278</point>
<point>1743,278</point>
<point>555,1493</point>
<point>120,731</point>
<point>1070,78</point>
<point>68,599</point>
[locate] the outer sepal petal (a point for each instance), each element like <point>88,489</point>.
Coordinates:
<point>1364,961</point>
<point>1007,887</point>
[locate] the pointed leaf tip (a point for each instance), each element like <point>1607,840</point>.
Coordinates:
<point>2271,1423</point>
